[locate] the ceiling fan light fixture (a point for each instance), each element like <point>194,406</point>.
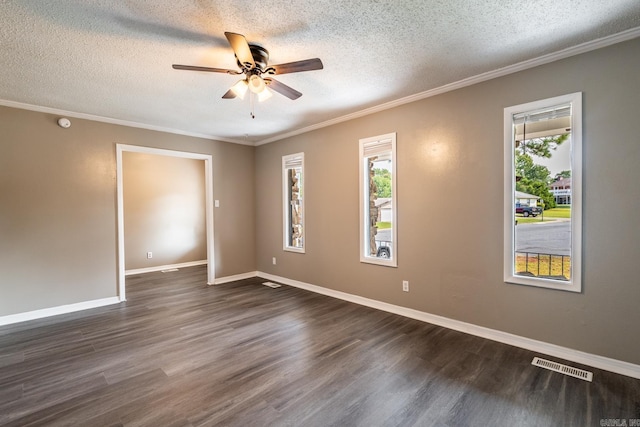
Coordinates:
<point>265,94</point>
<point>256,84</point>
<point>240,88</point>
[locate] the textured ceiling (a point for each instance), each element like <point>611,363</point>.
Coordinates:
<point>112,58</point>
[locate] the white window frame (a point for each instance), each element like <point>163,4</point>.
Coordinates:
<point>575,282</point>
<point>292,161</point>
<point>364,203</point>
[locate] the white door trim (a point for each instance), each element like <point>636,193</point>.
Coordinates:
<point>208,170</point>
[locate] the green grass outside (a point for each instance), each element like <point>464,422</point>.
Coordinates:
<point>383,225</point>
<point>562,211</point>
<point>523,220</point>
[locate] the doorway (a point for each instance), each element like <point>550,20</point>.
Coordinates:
<point>208,170</point>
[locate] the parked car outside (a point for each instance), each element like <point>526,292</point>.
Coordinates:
<point>526,210</point>
<point>384,249</point>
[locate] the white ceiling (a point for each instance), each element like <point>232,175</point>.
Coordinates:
<point>112,58</point>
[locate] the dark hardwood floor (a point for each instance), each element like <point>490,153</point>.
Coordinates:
<point>179,352</point>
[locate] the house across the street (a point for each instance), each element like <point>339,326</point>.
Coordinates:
<point>526,199</point>
<point>561,190</point>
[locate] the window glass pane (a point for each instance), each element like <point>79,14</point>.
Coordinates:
<point>295,207</point>
<point>380,214</point>
<point>542,223</point>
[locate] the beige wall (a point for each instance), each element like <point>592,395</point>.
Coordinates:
<point>164,210</point>
<point>450,195</point>
<point>58,207</point>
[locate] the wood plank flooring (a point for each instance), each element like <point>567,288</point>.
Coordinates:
<point>181,353</point>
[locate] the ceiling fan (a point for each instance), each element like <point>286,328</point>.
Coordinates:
<point>253,62</point>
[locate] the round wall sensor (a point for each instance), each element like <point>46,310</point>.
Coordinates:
<point>64,122</point>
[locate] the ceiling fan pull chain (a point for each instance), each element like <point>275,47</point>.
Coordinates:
<point>251,101</point>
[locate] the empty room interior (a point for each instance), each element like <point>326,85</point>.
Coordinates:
<point>319,213</point>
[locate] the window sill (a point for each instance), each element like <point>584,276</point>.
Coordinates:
<point>292,249</point>
<point>559,285</point>
<point>377,261</point>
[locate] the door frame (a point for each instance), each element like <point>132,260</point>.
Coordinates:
<point>208,172</point>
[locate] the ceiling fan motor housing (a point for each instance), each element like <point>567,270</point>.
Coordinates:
<point>260,56</point>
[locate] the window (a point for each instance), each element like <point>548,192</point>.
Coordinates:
<point>293,199</point>
<point>543,193</point>
<point>378,198</point>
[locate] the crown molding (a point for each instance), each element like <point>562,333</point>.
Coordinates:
<point>510,69</point>
<point>110,120</point>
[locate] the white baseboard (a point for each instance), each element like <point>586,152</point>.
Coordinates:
<point>227,279</point>
<point>600,362</point>
<point>54,311</point>
<point>164,267</point>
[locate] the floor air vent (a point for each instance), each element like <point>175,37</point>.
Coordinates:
<point>563,369</point>
<point>169,270</point>
<point>271,284</point>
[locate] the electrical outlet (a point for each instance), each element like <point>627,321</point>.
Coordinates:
<point>273,260</point>
<point>149,255</point>
<point>405,285</point>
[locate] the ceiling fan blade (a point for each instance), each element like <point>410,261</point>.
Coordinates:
<point>297,66</point>
<point>208,69</point>
<point>229,95</point>
<point>283,89</point>
<point>241,48</point>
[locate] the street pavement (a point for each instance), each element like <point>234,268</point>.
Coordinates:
<point>537,237</point>
<point>384,235</point>
<point>545,238</point>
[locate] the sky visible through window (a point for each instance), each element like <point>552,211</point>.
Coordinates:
<point>559,161</point>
